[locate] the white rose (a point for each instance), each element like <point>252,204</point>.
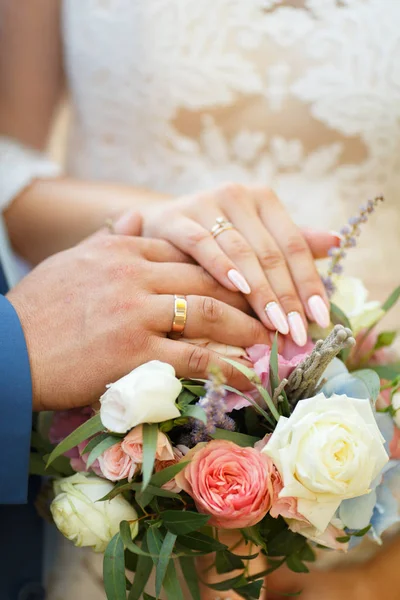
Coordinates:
<point>396,407</point>
<point>146,395</point>
<point>82,519</point>
<point>329,449</point>
<point>351,296</point>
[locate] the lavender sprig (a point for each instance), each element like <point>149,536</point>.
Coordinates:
<point>350,233</point>
<point>214,406</point>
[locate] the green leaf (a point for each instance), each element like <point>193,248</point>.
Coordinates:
<point>164,559</point>
<point>181,522</point>
<point>251,590</point>
<point>252,402</point>
<point>384,339</point>
<point>156,491</point>
<point>142,574</point>
<point>148,597</point>
<point>118,488</point>
<point>363,531</point>
<point>162,477</point>
<point>387,372</point>
<point>391,301</point>
<point>285,543</point>
<point>188,568</point>
<point>109,441</point>
<point>371,380</point>
<point>131,561</point>
<point>40,443</point>
<point>195,412</point>
<point>343,539</point>
<point>241,439</point>
<point>82,433</point>
<point>307,554</point>
<point>268,400</point>
<point>126,537</point>
<point>253,534</point>
<point>93,442</point>
<point>295,564</point>
<point>195,388</point>
<point>154,542</point>
<point>273,365</point>
<point>225,562</point>
<point>249,373</point>
<point>229,584</point>
<point>150,435</point>
<point>199,541</point>
<point>338,317</point>
<point>37,466</point>
<point>114,569</point>
<point>172,585</point>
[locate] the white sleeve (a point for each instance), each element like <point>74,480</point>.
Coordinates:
<point>19,166</point>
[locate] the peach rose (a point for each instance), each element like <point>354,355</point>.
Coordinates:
<point>115,464</point>
<point>160,465</point>
<point>233,485</point>
<point>132,444</point>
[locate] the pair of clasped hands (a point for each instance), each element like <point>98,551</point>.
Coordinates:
<point>92,313</point>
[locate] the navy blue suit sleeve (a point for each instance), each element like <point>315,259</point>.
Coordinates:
<point>15,407</point>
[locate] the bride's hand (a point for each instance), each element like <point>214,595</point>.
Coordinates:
<point>264,255</point>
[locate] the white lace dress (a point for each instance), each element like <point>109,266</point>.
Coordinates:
<point>301,95</point>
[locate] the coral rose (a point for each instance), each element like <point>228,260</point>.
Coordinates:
<point>132,444</point>
<point>233,485</point>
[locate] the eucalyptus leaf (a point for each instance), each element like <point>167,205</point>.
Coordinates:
<point>93,442</point>
<point>371,380</point>
<point>164,559</point>
<point>142,574</point>
<point>182,522</point>
<point>154,541</point>
<point>150,435</point>
<point>106,443</point>
<point>195,412</point>
<point>82,433</point>
<point>249,373</point>
<point>229,584</point>
<point>196,540</point>
<point>273,365</point>
<point>225,562</point>
<point>126,537</point>
<point>338,317</point>
<point>241,439</point>
<point>391,301</point>
<point>387,372</point>
<point>252,402</point>
<point>188,568</point>
<point>114,569</point>
<point>172,585</point>
<point>162,477</point>
<point>268,400</point>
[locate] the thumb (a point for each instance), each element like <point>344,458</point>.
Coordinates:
<point>321,241</point>
<point>130,223</point>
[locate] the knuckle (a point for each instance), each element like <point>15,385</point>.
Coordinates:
<point>233,191</point>
<point>211,310</point>
<point>208,283</point>
<point>197,237</point>
<point>197,360</point>
<point>256,330</point>
<point>271,259</point>
<point>240,248</point>
<point>296,245</point>
<point>289,299</point>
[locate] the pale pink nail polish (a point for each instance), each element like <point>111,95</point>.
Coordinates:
<point>297,329</point>
<point>277,317</point>
<point>319,311</point>
<point>239,281</point>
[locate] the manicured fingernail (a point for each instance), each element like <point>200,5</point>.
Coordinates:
<point>239,281</point>
<point>297,329</point>
<point>277,317</point>
<point>319,311</point>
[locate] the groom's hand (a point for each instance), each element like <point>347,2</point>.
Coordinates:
<point>93,313</point>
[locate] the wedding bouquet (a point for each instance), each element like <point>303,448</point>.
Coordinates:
<point>307,458</point>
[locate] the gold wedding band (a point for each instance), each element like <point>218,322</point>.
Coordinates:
<point>180,314</point>
<point>220,226</point>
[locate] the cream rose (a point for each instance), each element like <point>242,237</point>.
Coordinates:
<point>328,450</point>
<point>146,395</point>
<point>352,297</point>
<point>396,407</point>
<point>82,519</point>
